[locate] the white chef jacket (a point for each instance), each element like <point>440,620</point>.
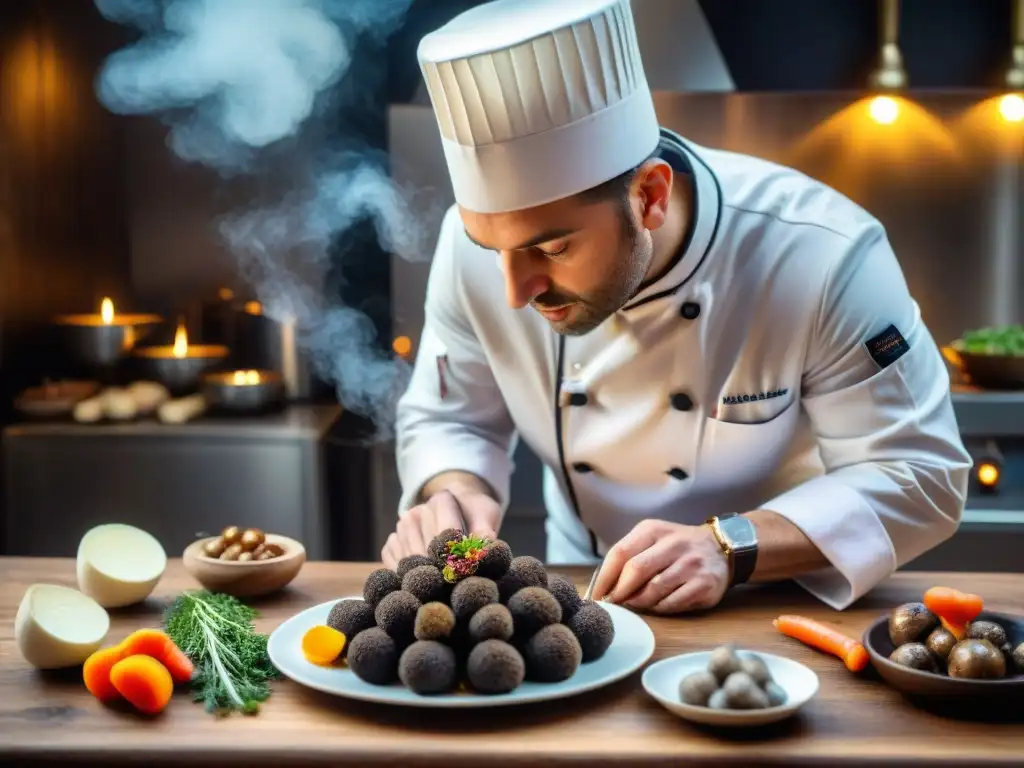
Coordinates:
<point>780,364</point>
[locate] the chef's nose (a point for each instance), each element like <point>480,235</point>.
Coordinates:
<point>524,279</point>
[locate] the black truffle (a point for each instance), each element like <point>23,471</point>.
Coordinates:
<point>471,594</point>
<point>492,622</point>
<point>524,571</point>
<point>425,583</point>
<point>434,621</point>
<point>496,561</point>
<point>350,617</point>
<point>406,564</point>
<point>379,584</point>
<point>593,627</point>
<point>566,594</point>
<point>438,547</point>
<point>553,654</point>
<point>373,656</point>
<point>494,666</point>
<point>427,667</point>
<point>396,615</point>
<point>533,608</point>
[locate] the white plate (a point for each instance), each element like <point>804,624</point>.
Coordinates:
<point>632,647</point>
<point>661,680</point>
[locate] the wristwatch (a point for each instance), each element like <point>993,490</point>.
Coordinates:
<point>737,537</point>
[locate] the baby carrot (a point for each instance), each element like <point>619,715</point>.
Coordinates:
<point>96,672</point>
<point>956,609</point>
<point>144,682</point>
<point>155,643</point>
<point>824,638</point>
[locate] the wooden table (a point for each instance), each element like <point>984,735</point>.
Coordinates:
<point>51,717</point>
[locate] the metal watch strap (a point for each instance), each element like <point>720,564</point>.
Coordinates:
<point>738,539</point>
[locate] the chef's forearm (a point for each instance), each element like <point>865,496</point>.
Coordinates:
<point>784,551</point>
<point>456,482</point>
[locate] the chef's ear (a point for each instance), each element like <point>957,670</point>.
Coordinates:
<point>652,186</point>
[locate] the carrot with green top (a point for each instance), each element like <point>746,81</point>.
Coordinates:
<point>824,638</point>
<point>954,608</point>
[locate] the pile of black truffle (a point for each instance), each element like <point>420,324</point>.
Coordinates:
<point>469,616</point>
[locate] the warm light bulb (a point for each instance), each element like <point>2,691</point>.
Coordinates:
<point>988,474</point>
<point>1011,107</point>
<point>242,378</point>
<point>107,311</point>
<point>180,342</point>
<point>402,346</point>
<point>884,110</point>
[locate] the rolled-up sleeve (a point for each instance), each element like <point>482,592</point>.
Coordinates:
<point>452,416</point>
<point>896,468</point>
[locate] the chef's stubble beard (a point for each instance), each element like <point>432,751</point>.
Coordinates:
<point>621,285</point>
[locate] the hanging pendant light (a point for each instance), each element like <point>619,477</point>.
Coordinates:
<point>890,74</point>
<point>1011,106</point>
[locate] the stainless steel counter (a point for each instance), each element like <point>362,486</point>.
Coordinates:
<point>171,480</point>
<point>989,415</point>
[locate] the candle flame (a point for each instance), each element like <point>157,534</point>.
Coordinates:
<point>180,342</point>
<point>107,311</point>
<point>240,378</point>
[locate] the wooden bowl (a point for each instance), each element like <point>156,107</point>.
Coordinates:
<point>941,688</point>
<point>251,578</point>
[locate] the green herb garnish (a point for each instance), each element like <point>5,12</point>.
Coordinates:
<point>995,340</point>
<point>463,558</point>
<point>232,667</point>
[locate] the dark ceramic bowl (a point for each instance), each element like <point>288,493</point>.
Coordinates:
<point>929,685</point>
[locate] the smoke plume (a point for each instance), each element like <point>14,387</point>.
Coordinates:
<point>261,89</point>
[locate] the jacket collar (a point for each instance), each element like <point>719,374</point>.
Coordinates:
<point>707,211</point>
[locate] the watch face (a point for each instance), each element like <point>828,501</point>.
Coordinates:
<point>739,531</point>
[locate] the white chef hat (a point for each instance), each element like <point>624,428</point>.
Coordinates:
<point>538,100</point>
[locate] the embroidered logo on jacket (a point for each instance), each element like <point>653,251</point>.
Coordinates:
<point>737,399</point>
<point>887,347</point>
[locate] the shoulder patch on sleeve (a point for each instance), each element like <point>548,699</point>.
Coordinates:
<point>887,347</point>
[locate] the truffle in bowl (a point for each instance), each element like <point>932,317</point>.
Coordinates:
<point>248,569</point>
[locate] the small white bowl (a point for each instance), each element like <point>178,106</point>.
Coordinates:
<point>661,680</point>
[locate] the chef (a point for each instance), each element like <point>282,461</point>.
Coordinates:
<point>716,358</point>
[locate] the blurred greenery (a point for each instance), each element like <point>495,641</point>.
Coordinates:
<point>994,340</point>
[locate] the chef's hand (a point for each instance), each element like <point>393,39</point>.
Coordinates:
<point>422,523</point>
<point>664,567</point>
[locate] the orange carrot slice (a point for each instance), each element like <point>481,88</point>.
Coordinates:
<point>158,644</point>
<point>956,609</point>
<point>824,638</point>
<point>96,673</point>
<point>144,682</point>
<point>322,644</point>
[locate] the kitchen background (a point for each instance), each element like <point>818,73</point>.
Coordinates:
<point>99,217</point>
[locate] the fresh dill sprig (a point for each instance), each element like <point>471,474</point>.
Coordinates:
<point>232,669</point>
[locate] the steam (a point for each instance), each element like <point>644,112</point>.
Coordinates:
<point>253,88</point>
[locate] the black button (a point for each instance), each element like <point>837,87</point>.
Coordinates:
<point>681,401</point>
<point>582,467</point>
<point>577,398</point>
<point>690,310</point>
<point>677,473</point>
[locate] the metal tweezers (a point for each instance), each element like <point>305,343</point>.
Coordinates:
<point>593,581</point>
